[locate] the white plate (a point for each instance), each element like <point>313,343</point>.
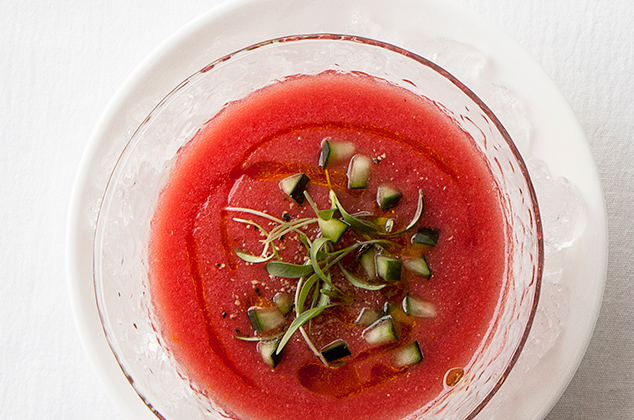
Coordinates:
<point>482,57</point>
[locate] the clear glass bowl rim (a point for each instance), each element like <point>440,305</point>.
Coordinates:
<point>408,54</point>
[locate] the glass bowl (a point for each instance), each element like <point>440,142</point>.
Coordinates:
<point>123,227</point>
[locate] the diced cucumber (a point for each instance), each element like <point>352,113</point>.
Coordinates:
<point>335,351</point>
<point>332,229</point>
<point>358,172</point>
<point>385,225</point>
<point>265,319</point>
<point>324,155</point>
<point>387,267</point>
<point>418,308</point>
<point>408,355</point>
<point>267,349</point>
<point>395,311</point>
<point>332,151</point>
<point>367,317</point>
<point>426,236</point>
<point>381,331</point>
<point>387,196</point>
<point>366,259</point>
<point>389,225</point>
<point>419,266</point>
<point>284,302</point>
<point>294,186</point>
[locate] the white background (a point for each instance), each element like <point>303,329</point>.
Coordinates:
<point>60,64</point>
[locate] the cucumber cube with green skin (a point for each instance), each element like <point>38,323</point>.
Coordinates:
<point>366,257</point>
<point>265,319</point>
<point>395,311</point>
<point>267,349</point>
<point>332,229</point>
<point>336,350</point>
<point>324,155</point>
<point>358,172</point>
<point>381,331</point>
<point>367,317</point>
<point>426,236</point>
<point>408,355</point>
<point>332,151</point>
<point>388,196</point>
<point>284,302</point>
<point>294,186</point>
<point>418,308</point>
<point>419,266</point>
<point>388,268</point>
<point>389,225</point>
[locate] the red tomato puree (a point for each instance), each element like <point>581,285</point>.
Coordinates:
<point>201,290</point>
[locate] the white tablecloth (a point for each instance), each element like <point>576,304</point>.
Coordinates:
<point>61,62</point>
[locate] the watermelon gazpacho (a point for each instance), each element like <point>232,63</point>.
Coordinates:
<point>330,247</point>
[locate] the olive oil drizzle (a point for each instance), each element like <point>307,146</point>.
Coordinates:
<point>422,149</point>
<point>214,343</point>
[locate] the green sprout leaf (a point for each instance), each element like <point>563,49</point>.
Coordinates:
<point>288,270</point>
<point>302,319</point>
<point>356,223</point>
<point>252,258</point>
<point>357,282</point>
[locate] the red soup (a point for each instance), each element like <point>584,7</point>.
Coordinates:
<point>327,248</point>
